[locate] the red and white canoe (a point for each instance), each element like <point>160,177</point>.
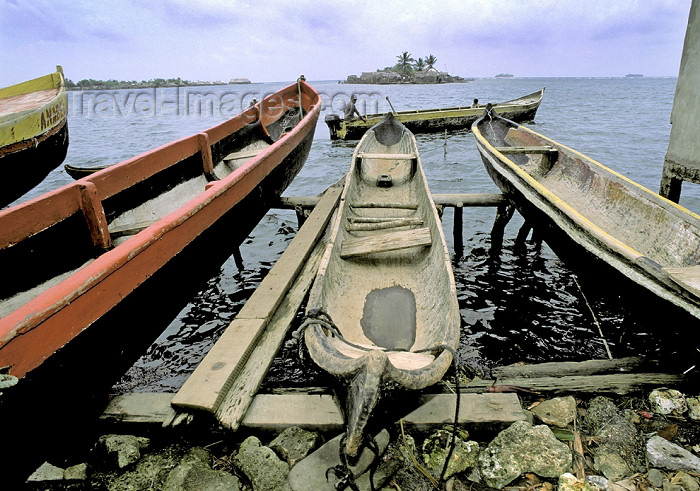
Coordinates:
<point>71,256</point>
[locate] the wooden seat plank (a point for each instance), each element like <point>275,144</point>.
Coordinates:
<point>688,278</point>
<point>533,149</point>
<point>387,156</point>
<point>390,241</point>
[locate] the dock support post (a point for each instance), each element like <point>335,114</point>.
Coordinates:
<point>301,217</point>
<point>238,258</point>
<point>457,229</point>
<point>503,215</point>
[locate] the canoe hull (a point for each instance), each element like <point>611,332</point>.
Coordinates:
<point>590,215</point>
<point>436,120</point>
<point>383,310</point>
<point>34,139</point>
<point>35,330</point>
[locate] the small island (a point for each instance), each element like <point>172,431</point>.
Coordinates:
<point>407,71</point>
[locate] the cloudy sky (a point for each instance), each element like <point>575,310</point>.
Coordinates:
<point>277,40</point>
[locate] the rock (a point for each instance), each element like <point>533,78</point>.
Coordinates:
<point>620,450</point>
<point>693,408</point>
<point>523,448</point>
<point>76,473</point>
<point>46,472</point>
<point>656,478</point>
<point>667,401</point>
<point>559,411</point>
<point>121,451</point>
<point>194,473</point>
<point>294,443</point>
<point>688,482</point>
<point>261,465</point>
<point>7,380</point>
<point>599,482</point>
<point>569,482</point>
<point>436,447</point>
<point>662,453</point>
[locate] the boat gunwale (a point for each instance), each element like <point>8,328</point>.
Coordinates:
<point>37,310</point>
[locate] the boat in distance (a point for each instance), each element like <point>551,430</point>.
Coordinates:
<point>431,120</point>
<point>72,255</point>
<point>33,133</point>
<point>591,214</point>
<point>382,310</point>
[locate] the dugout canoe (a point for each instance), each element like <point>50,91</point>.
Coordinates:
<point>33,133</point>
<point>383,307</point>
<point>431,120</point>
<point>74,254</point>
<point>592,215</point>
<point>80,171</point>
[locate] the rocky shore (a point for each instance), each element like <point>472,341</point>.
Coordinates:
<point>647,442</point>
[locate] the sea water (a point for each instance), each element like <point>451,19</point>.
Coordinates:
<point>519,306</point>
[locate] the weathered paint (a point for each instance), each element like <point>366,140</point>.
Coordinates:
<point>34,331</point>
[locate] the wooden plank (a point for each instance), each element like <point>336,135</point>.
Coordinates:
<point>688,278</point>
<point>384,224</point>
<point>387,156</point>
<point>407,206</point>
<point>562,369</point>
<point>275,412</point>
<point>526,150</point>
<point>247,154</point>
<point>621,383</point>
<point>140,407</point>
<point>390,241</point>
<point>207,386</point>
<point>236,402</point>
<point>472,199</point>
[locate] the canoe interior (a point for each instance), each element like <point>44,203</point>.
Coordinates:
<point>395,300</point>
<point>652,226</point>
<point>134,194</point>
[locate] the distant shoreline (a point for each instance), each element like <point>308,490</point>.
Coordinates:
<point>151,84</point>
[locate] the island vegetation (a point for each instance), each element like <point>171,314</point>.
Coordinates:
<point>92,84</point>
<point>407,70</point>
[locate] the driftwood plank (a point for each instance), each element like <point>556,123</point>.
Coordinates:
<point>241,393</point>
<point>561,369</point>
<point>621,383</point>
<point>390,241</point>
<point>207,386</point>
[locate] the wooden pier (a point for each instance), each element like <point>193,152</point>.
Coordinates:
<point>226,382</point>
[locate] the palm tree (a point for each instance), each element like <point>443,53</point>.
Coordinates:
<point>405,60</point>
<point>430,61</point>
<point>419,65</point>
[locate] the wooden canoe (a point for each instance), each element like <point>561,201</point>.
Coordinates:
<point>592,215</point>
<point>78,172</point>
<point>383,305</point>
<point>33,133</point>
<point>431,120</point>
<point>72,255</point>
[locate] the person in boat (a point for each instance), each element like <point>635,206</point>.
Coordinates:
<point>475,103</point>
<point>351,110</point>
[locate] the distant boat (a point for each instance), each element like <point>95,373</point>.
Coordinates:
<point>33,133</point>
<point>633,75</point>
<point>239,81</point>
<point>432,120</point>
<point>504,75</point>
<point>78,254</point>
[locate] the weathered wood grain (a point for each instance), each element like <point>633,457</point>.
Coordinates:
<point>390,241</point>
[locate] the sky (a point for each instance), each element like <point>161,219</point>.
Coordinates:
<point>278,40</point>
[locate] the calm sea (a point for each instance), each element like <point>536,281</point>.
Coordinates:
<point>517,307</point>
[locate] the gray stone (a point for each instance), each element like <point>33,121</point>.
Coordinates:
<point>523,448</point>
<point>121,450</point>
<point>569,482</point>
<point>559,411</point>
<point>46,472</point>
<point>688,482</point>
<point>667,401</point>
<point>656,477</point>
<point>261,465</point>
<point>667,455</point>
<point>194,473</point>
<point>693,408</point>
<point>436,447</point>
<point>611,464</point>
<point>76,473</point>
<point>294,443</point>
